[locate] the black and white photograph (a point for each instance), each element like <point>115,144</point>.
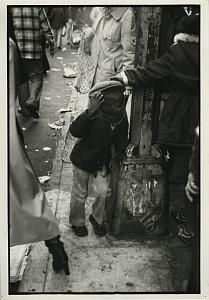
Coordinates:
<point>104,163</point>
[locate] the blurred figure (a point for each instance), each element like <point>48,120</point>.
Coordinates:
<point>193,195</point>
<point>57,20</point>
<point>69,24</point>
<point>31,219</point>
<point>30,26</point>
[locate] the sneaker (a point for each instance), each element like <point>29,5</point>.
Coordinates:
<point>80,230</point>
<point>24,112</point>
<point>98,229</point>
<point>33,111</point>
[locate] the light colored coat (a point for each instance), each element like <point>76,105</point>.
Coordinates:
<point>113,43</point>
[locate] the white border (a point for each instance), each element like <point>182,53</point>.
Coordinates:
<point>204,148</point>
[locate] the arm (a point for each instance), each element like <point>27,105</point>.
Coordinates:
<point>128,39</point>
<point>45,26</point>
<point>154,72</point>
<point>81,126</point>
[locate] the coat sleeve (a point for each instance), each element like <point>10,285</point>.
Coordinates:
<point>80,128</point>
<point>156,71</point>
<point>121,136</point>
<point>128,39</point>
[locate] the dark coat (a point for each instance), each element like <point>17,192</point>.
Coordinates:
<point>178,72</point>
<point>93,149</point>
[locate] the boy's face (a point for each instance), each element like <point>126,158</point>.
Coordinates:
<point>114,103</point>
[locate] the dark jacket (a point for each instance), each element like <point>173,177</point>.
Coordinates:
<point>178,72</point>
<point>96,136</point>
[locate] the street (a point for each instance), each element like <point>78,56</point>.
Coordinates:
<point>97,265</point>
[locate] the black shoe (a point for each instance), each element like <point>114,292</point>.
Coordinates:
<point>25,112</point>
<point>98,229</point>
<point>33,111</point>
<point>80,230</point>
<point>60,258</point>
<point>185,237</point>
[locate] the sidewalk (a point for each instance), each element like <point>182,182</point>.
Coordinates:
<point>100,264</point>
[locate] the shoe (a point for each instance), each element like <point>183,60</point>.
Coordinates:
<point>33,111</point>
<point>80,230</point>
<point>25,112</point>
<point>60,258</point>
<point>185,237</point>
<point>98,229</point>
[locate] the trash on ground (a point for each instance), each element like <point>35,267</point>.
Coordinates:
<point>55,69</point>
<point>47,98</point>
<point>57,124</point>
<point>44,179</point>
<point>69,83</point>
<point>26,146</point>
<point>58,96</point>
<point>23,128</point>
<point>46,161</point>
<point>59,57</point>
<point>64,49</point>
<point>36,150</point>
<point>69,73</point>
<point>47,148</point>
<point>63,110</point>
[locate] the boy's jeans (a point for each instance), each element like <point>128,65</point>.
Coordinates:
<point>79,195</point>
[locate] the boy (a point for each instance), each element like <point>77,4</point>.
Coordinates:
<point>102,129</point>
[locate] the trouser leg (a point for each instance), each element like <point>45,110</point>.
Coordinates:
<point>178,173</point>
<point>79,195</point>
<point>101,189</point>
<point>59,37</point>
<point>34,71</point>
<point>23,94</point>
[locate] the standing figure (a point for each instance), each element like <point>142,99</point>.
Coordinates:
<point>30,25</point>
<point>112,41</point>
<point>57,20</point>
<point>102,131</point>
<point>178,72</point>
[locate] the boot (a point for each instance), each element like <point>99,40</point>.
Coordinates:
<point>60,258</point>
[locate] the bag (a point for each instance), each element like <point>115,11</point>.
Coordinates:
<point>83,80</point>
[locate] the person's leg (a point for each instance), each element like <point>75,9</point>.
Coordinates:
<point>101,190</point>
<point>59,38</point>
<point>55,35</point>
<point>178,172</point>
<point>79,195</point>
<point>35,75</point>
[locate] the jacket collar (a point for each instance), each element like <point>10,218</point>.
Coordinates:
<point>118,12</point>
<point>184,37</point>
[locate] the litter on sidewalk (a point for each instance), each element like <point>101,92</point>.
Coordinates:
<point>43,179</point>
<point>69,73</point>
<point>57,124</point>
<point>63,110</point>
<point>47,148</point>
<point>59,57</point>
<point>55,69</point>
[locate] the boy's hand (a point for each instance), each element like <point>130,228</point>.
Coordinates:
<point>95,102</point>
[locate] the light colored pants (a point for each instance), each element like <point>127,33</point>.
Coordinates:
<point>79,195</point>
<point>58,37</point>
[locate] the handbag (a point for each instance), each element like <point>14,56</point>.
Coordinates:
<point>83,80</point>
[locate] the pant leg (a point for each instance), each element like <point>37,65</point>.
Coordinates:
<point>101,189</point>
<point>23,94</point>
<point>178,173</point>
<point>69,31</point>
<point>79,195</point>
<point>59,37</point>
<point>55,35</point>
<point>34,71</point>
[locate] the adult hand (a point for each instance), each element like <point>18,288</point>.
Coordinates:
<point>191,188</point>
<point>95,102</point>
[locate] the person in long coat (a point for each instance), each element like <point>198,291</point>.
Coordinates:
<point>178,72</point>
<point>30,217</point>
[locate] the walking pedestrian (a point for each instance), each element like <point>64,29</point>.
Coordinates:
<point>30,25</point>
<point>57,20</point>
<point>102,131</point>
<point>31,219</point>
<point>178,72</point>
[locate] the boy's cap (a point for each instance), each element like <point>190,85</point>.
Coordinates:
<point>104,85</point>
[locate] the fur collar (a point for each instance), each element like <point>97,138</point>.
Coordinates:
<point>184,37</point>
